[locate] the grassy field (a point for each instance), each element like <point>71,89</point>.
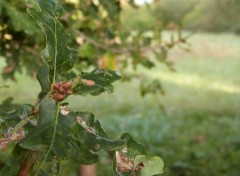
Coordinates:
<point>194,127</point>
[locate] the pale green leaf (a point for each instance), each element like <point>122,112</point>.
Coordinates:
<point>152,165</point>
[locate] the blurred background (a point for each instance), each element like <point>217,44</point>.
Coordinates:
<point>191,119</point>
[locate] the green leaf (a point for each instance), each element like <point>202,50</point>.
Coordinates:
<point>147,40</point>
<point>103,80</point>
<point>161,55</point>
<point>87,50</point>
<point>81,154</point>
<point>151,87</point>
<point>53,131</point>
<point>56,53</point>
<point>53,134</point>
<point>11,119</point>
<point>91,134</point>
<point>43,79</point>
<point>112,7</point>
<point>151,166</point>
<point>45,132</point>
<point>134,148</point>
<point>123,161</point>
<point>88,118</point>
<point>68,76</point>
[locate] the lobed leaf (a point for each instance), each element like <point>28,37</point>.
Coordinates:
<point>91,134</point>
<point>133,147</point>
<point>102,80</point>
<point>11,119</point>
<point>81,154</point>
<point>56,54</point>
<point>52,134</point>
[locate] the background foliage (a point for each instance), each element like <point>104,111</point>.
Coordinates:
<point>96,30</point>
<point>198,15</point>
<point>198,124</point>
<point>195,133</point>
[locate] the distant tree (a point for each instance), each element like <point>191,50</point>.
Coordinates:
<point>198,15</point>
<point>172,11</point>
<point>214,16</point>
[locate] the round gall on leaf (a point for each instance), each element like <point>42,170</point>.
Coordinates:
<point>59,97</point>
<point>89,82</point>
<point>67,85</point>
<point>56,86</point>
<point>61,90</point>
<point>69,92</point>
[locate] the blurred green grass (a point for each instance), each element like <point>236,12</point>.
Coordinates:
<point>196,133</point>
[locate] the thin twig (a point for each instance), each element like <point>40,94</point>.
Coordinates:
<point>127,50</point>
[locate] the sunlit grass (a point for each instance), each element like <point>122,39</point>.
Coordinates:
<point>195,81</point>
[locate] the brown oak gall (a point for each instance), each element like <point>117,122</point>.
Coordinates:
<point>59,97</point>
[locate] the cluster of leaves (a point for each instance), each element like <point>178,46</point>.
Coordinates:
<point>97,32</point>
<point>48,132</point>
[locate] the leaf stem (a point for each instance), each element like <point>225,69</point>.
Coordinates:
<point>53,140</point>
